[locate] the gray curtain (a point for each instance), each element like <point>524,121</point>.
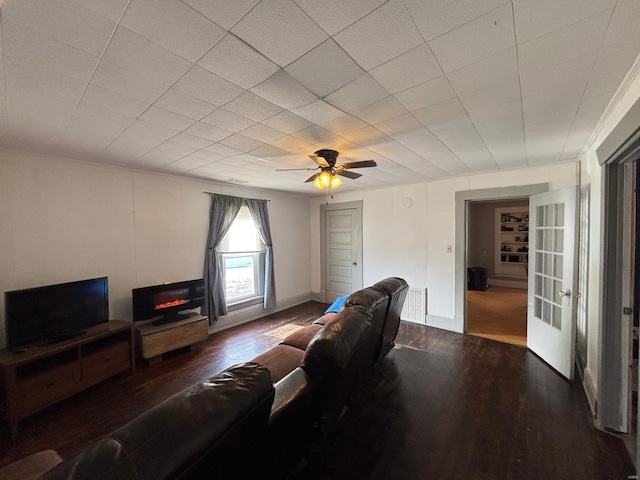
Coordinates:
<point>258,210</point>
<point>224,210</point>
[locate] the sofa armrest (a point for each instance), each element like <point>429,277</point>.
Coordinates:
<point>297,391</point>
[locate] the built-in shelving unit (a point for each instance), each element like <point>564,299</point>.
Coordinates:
<point>512,241</point>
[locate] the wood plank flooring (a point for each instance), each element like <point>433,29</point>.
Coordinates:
<point>442,406</point>
<point>499,313</point>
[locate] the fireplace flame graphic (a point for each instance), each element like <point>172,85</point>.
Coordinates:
<point>172,303</point>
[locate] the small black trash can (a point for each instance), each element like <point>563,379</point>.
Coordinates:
<point>477,278</point>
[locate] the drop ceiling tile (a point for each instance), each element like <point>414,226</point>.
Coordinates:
<point>360,93</point>
<point>252,106</point>
<point>111,10</point>
<point>177,147</point>
<point>221,149</point>
<point>324,69</point>
<point>202,84</point>
<point>344,124</point>
<point>366,136</point>
<point>186,105</point>
<point>139,55</point>
<point>287,122</point>
<point>487,97</point>
<point>204,130</point>
<point>290,143</point>
<point>408,70</point>
<point>262,133</point>
<point>563,45</point>
<point>241,143</point>
<point>390,28</point>
<point>151,130</point>
<point>223,118</point>
<point>165,118</point>
<point>268,152</point>
<point>624,23</point>
<point>318,112</point>
<point>536,19</point>
<point>125,150</point>
<point>31,47</point>
<point>237,62</point>
<point>206,155</point>
<point>570,77</point>
<point>280,30</point>
<point>314,135</point>
<point>616,59</point>
<point>156,158</point>
<point>426,94</point>
<point>115,102</point>
<point>283,90</point>
<point>119,80</point>
<point>480,38</point>
<point>487,72</point>
<point>397,125</point>
<point>196,141</point>
<point>172,25</point>
<point>222,12</point>
<point>441,113</point>
<point>382,110</point>
<point>335,15</point>
<point>63,21</point>
<point>435,18</point>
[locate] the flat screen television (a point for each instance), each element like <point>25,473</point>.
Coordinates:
<point>55,312</point>
<point>165,302</point>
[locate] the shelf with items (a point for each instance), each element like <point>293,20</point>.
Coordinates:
<point>512,241</point>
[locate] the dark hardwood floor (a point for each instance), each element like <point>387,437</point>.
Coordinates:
<point>442,406</point>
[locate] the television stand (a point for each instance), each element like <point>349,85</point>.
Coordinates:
<point>170,319</point>
<point>154,340</point>
<point>61,338</point>
<point>38,376</point>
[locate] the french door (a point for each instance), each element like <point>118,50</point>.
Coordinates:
<point>551,324</point>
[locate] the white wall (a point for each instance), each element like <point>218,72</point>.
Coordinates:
<point>62,220</point>
<point>412,243</point>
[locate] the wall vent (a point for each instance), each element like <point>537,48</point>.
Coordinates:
<point>415,306</point>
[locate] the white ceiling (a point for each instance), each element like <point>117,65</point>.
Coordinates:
<point>232,90</point>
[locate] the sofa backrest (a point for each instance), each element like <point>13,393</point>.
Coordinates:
<point>205,430</point>
<point>340,354</point>
<point>376,302</point>
<point>396,288</point>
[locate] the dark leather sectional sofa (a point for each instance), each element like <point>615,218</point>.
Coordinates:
<point>258,419</point>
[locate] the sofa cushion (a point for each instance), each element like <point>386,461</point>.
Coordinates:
<point>206,428</point>
<point>301,337</point>
<point>280,360</point>
<point>333,346</point>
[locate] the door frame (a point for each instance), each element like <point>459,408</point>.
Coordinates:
<point>357,205</point>
<point>461,224</point>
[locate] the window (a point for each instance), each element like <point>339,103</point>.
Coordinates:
<point>242,259</point>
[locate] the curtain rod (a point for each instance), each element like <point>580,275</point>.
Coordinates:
<point>213,193</point>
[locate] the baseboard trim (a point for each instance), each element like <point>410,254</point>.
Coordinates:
<point>255,312</point>
<point>508,283</point>
<point>440,322</point>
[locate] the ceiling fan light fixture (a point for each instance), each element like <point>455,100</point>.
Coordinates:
<point>325,179</point>
<point>317,183</point>
<point>335,181</point>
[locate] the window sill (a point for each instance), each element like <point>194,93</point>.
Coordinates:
<point>232,307</point>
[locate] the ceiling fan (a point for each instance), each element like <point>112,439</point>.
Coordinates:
<point>330,172</point>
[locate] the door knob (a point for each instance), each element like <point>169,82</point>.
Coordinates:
<point>355,263</point>
<point>565,294</point>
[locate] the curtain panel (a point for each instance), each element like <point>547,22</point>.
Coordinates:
<point>222,213</point>
<point>258,210</point>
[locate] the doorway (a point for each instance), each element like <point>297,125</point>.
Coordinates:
<point>497,260</point>
<point>341,249</point>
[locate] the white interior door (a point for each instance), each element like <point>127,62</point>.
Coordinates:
<point>343,252</point>
<point>551,326</point>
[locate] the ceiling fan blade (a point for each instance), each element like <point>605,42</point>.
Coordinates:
<point>292,169</point>
<point>319,160</point>
<point>348,174</point>
<point>311,178</point>
<point>361,164</point>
